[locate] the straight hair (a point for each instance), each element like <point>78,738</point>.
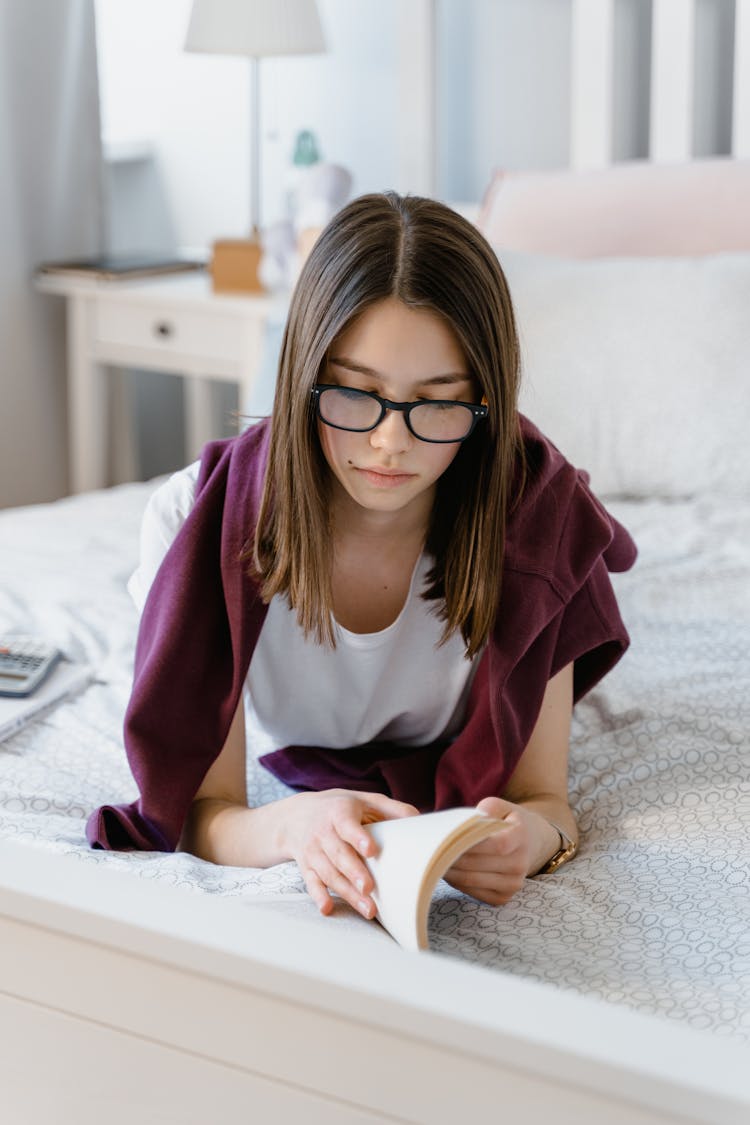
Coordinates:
<point>429,257</point>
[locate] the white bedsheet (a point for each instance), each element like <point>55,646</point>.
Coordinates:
<point>655,911</point>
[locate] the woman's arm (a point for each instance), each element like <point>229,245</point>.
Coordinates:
<point>218,826</point>
<point>539,782</point>
<point>322,832</point>
<point>536,794</point>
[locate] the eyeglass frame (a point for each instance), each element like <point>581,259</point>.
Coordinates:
<point>478,412</point>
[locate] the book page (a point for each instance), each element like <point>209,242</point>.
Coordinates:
<point>414,852</point>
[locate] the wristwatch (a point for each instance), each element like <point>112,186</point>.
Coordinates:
<point>565,852</point>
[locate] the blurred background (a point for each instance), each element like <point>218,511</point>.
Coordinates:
<point>115,138</point>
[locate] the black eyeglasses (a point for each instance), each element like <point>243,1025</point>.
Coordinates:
<point>438,420</point>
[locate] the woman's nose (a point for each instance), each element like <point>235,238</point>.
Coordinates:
<point>391,434</point>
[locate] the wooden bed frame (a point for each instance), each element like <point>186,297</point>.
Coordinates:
<point>123,1000</point>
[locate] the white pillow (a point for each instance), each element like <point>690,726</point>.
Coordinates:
<point>639,368</point>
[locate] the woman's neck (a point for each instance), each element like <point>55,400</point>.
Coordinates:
<point>374,556</point>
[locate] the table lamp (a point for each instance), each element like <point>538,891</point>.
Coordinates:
<point>256,29</point>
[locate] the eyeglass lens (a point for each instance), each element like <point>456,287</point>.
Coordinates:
<point>351,409</point>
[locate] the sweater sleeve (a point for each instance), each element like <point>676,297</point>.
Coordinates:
<point>183,655</point>
<point>591,631</point>
<point>200,622</point>
<point>557,607</point>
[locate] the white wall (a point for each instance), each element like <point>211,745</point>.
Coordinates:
<point>195,109</point>
<point>502,92</point>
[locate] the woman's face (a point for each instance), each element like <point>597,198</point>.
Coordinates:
<point>403,354</point>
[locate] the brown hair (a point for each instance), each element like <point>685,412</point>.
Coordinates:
<point>427,256</point>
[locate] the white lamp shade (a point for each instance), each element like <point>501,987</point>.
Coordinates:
<point>255,27</point>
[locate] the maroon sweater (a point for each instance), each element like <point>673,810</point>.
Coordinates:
<point>204,614</point>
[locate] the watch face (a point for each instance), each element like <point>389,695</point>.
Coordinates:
<point>566,852</point>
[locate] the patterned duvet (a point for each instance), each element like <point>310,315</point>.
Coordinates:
<point>655,911</point>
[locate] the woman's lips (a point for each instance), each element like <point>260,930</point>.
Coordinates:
<point>385,478</point>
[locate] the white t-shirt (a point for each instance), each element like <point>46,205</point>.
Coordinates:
<point>395,685</point>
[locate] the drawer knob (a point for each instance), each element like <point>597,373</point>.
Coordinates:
<point>163,329</point>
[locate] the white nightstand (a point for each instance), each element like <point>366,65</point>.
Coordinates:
<point>173,323</point>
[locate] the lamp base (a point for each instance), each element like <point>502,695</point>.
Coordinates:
<point>235,265</point>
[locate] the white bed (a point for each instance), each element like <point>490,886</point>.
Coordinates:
<point>652,917</point>
<point>164,988</point>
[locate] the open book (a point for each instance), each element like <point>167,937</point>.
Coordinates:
<point>414,853</point>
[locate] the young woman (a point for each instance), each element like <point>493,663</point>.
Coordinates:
<point>397,578</point>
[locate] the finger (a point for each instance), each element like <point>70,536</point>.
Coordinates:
<point>317,891</point>
<point>496,806</point>
<point>486,879</point>
<point>336,881</point>
<point>471,861</point>
<point>350,829</point>
<point>376,807</point>
<point>501,843</point>
<point>386,807</point>
<point>496,895</point>
<point>348,861</point>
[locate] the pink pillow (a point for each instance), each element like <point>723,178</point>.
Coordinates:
<point>629,209</point>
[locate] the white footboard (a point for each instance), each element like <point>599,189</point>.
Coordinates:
<point>155,1004</point>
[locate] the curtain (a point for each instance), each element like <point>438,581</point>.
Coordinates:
<point>51,206</point>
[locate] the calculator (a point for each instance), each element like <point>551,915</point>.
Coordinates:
<point>24,663</point>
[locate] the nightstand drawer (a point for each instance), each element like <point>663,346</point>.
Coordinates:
<point>211,335</point>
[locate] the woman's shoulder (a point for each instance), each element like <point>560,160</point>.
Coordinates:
<point>169,504</point>
<point>238,460</point>
<point>234,457</point>
<point>167,508</point>
<point>221,489</point>
<point>226,466</point>
<point>557,527</point>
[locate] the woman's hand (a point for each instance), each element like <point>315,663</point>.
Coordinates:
<point>495,869</point>
<point>323,833</point>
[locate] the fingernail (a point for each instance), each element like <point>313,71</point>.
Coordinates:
<point>360,885</point>
<point>364,842</point>
<point>364,908</point>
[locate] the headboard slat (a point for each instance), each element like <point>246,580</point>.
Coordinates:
<point>591,83</point>
<point>672,66</point>
<point>592,67</point>
<point>741,98</point>
<point>417,116</point>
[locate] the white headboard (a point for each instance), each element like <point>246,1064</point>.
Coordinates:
<point>592,72</point>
